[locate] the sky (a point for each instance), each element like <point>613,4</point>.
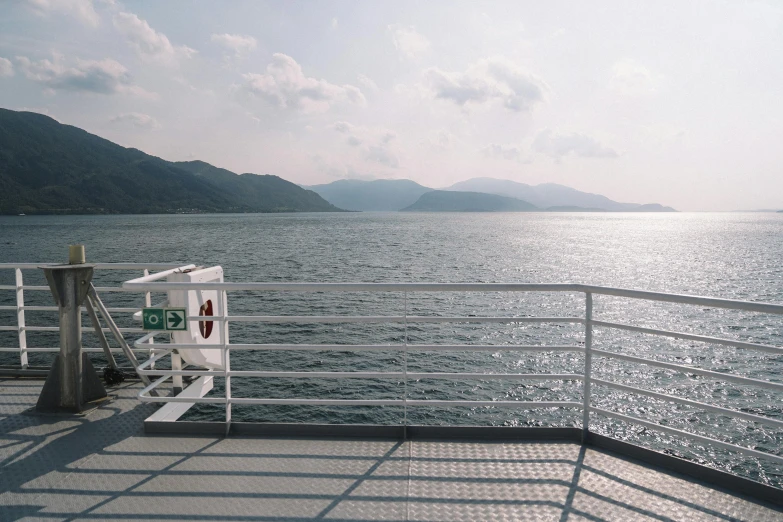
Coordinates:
<point>674,102</point>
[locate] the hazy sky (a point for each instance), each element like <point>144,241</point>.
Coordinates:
<point>676,102</point>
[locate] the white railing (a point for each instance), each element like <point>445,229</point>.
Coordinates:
<point>204,377</point>
<point>21,309</point>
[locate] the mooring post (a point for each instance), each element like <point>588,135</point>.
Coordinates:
<point>72,381</point>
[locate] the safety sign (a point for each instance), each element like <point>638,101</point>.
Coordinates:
<point>165,319</point>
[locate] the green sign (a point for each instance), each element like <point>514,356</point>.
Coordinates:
<point>153,319</point>
<point>175,319</point>
<point>166,319</point>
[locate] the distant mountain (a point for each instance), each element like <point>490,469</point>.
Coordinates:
<point>50,168</point>
<point>377,195</point>
<point>548,195</point>
<point>652,207</point>
<point>453,201</point>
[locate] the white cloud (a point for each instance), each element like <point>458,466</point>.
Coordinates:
<point>334,23</point>
<point>239,44</point>
<point>375,144</point>
<point>137,119</point>
<point>509,152</point>
<point>6,68</point>
<point>489,80</point>
<point>440,140</point>
<point>560,145</point>
<point>367,82</point>
<point>147,41</point>
<point>102,77</point>
<point>409,42</point>
<point>632,79</point>
<point>83,10</point>
<point>285,85</point>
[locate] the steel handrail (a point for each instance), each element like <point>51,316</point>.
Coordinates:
<point>588,321</point>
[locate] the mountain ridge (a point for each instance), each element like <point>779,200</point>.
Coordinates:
<point>47,167</point>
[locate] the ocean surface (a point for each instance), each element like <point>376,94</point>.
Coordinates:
<point>728,255</point>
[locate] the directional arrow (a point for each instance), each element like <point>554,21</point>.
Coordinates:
<point>175,319</point>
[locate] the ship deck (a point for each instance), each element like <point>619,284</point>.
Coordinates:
<point>103,466</point>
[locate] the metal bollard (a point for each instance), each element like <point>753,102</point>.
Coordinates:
<point>72,382</point>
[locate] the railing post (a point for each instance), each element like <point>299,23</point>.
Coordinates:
<point>405,374</point>
<point>588,365</point>
<point>226,356</point>
<point>20,325</point>
<point>148,304</point>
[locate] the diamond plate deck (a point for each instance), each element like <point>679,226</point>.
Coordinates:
<point>102,466</point>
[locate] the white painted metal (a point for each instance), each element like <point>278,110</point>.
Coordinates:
<point>673,431</point>
<point>172,411</point>
<point>384,319</point>
<point>193,301</point>
<point>691,337</point>
<point>687,402</point>
<point>588,365</point>
<point>22,332</point>
<point>690,369</point>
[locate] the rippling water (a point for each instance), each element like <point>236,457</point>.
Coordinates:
<point>736,256</point>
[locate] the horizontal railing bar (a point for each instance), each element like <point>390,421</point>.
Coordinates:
<point>357,287</point>
<point>57,350</point>
<point>98,266</point>
<point>87,329</point>
<point>501,404</point>
<point>9,328</point>
<point>160,275</point>
<point>377,347</point>
<point>55,309</point>
<point>464,287</point>
<point>713,302</point>
<point>690,369</point>
<point>381,319</point>
<point>37,288</point>
<point>691,337</point>
<point>401,402</point>
<point>682,433</point>
<point>687,402</point>
<point>396,375</point>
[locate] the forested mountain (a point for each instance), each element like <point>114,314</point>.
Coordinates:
<point>50,168</point>
<point>453,201</point>
<point>380,194</point>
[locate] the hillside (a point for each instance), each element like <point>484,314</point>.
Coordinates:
<point>50,168</point>
<point>452,201</point>
<point>548,195</point>
<point>377,195</point>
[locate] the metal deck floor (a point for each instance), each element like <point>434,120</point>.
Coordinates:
<point>102,466</point>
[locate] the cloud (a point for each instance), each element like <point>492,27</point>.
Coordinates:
<point>495,79</point>
<point>239,44</point>
<point>409,42</point>
<point>440,140</point>
<point>137,119</point>
<point>285,85</point>
<point>82,10</point>
<point>367,82</point>
<point>560,145</point>
<point>334,23</point>
<point>508,152</point>
<point>630,78</point>
<point>378,148</point>
<point>147,41</point>
<point>6,68</point>
<point>102,77</point>
<point>382,155</point>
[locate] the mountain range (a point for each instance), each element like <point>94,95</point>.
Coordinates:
<point>50,168</point>
<point>404,194</point>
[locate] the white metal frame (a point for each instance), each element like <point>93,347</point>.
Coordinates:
<point>20,308</point>
<point>203,383</point>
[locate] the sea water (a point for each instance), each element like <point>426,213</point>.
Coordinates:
<point>728,255</point>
